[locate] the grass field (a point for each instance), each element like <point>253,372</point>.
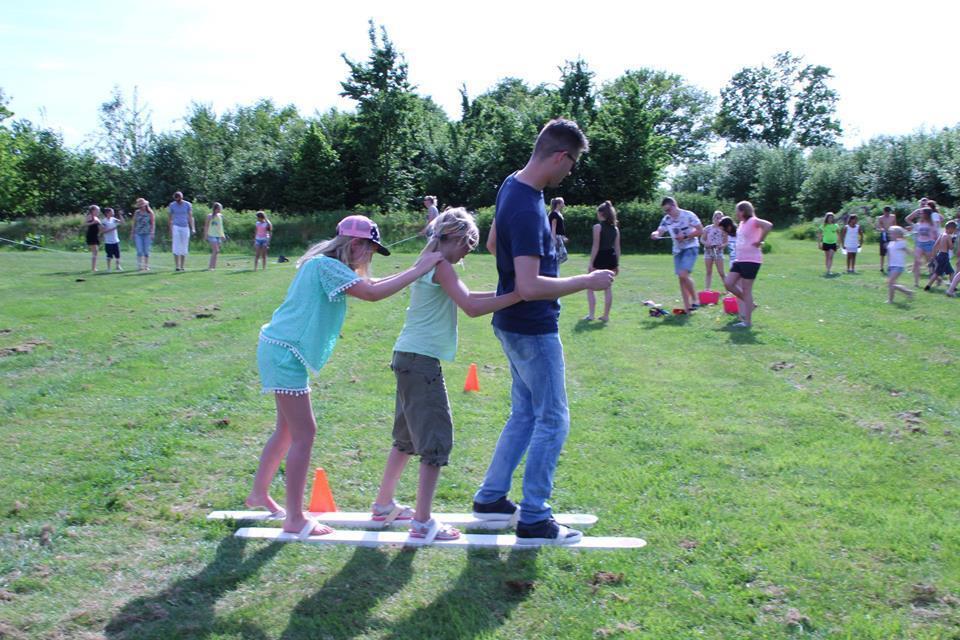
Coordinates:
<point>797,480</point>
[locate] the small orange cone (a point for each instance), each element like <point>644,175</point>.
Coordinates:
<point>472,383</point>
<point>321,498</point>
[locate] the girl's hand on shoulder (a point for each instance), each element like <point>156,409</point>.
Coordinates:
<point>427,259</point>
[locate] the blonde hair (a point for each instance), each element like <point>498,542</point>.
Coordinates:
<point>715,214</point>
<point>897,232</point>
<point>339,248</point>
<point>453,224</point>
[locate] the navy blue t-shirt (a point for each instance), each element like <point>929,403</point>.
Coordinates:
<point>523,230</point>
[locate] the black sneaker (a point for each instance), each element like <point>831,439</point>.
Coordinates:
<point>547,532</point>
<point>502,509</point>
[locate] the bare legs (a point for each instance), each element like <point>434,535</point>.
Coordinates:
<point>828,258</point>
<point>851,261</point>
<point>743,290</point>
<point>592,304</point>
<point>94,250</point>
<point>293,438</point>
<point>427,487</point>
<point>687,289</point>
<point>260,253</point>
<point>893,287</point>
<point>920,258</point>
<point>214,252</point>
<point>711,264</point>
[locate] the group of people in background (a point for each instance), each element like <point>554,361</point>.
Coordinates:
<point>102,227</point>
<point>934,246</point>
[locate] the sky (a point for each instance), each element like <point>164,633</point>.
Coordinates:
<point>894,64</point>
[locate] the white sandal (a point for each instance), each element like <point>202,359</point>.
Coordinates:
<point>433,530</point>
<point>391,512</point>
<point>308,528</point>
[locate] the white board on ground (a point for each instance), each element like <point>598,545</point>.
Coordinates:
<point>361,519</point>
<point>380,538</point>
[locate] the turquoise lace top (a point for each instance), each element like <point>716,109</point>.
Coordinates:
<point>308,321</point>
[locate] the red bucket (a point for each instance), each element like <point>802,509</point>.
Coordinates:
<point>709,297</point>
<point>730,305</point>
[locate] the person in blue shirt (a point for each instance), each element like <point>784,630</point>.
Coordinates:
<point>528,331</point>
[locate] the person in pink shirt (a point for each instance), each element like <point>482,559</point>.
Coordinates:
<point>750,234</point>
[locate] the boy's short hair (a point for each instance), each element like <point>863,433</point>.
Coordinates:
<point>951,223</point>
<point>560,135</point>
<point>888,209</point>
<point>668,200</point>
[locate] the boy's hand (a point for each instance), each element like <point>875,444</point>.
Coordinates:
<point>600,279</point>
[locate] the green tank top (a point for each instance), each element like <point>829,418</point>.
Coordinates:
<point>830,233</point>
<point>215,229</point>
<point>431,325</point>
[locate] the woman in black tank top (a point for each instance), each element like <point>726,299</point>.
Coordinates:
<point>92,224</point>
<point>605,254</point>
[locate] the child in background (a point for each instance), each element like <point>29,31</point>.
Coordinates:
<point>714,240</point>
<point>91,225</point>
<point>261,239</point>
<point>827,240</point>
<point>852,238</point>
<point>924,236</point>
<point>605,254</point>
<point>422,424</point>
<point>301,335</point>
<point>215,235</point>
<point>941,250</point>
<point>111,239</point>
<point>897,251</point>
<point>883,224</point>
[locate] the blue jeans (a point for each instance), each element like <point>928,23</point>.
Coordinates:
<point>538,424</point>
<point>143,242</point>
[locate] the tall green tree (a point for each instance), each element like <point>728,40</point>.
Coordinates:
<point>382,137</point>
<point>787,102</point>
<point>316,181</point>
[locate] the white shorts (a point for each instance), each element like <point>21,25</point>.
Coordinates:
<point>181,241</point>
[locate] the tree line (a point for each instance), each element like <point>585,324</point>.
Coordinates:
<point>778,120</point>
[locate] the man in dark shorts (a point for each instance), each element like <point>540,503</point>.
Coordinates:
<point>529,333</point>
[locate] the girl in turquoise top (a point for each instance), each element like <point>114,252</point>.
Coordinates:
<point>300,337</point>
<point>423,425</point>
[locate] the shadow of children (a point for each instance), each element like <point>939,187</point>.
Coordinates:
<point>185,609</point>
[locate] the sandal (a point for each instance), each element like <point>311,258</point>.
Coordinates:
<point>391,512</point>
<point>433,530</point>
<point>308,528</point>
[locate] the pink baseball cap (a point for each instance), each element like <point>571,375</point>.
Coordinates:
<point>362,227</point>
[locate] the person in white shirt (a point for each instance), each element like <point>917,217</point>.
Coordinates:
<point>111,239</point>
<point>897,251</point>
<point>684,228</point>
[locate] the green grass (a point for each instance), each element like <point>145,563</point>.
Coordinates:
<point>795,500</point>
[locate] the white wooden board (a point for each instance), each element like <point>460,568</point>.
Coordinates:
<point>361,519</point>
<point>379,538</point>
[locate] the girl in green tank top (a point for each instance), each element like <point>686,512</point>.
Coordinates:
<point>423,424</point>
<point>213,232</point>
<point>827,240</point>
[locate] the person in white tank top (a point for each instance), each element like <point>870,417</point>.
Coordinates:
<point>852,238</point>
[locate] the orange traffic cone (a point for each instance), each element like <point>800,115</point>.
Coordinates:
<point>321,498</point>
<point>472,383</point>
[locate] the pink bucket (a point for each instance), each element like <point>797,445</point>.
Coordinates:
<point>730,305</point>
<point>709,297</point>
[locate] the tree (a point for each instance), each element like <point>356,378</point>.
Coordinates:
<point>126,131</point>
<point>831,180</point>
<point>316,181</point>
<point>576,95</point>
<point>382,143</point>
<point>779,179</point>
<point>738,171</point>
<point>785,103</point>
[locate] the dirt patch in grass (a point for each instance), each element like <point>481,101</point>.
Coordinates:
<point>26,347</point>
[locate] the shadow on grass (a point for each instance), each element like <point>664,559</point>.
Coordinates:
<point>186,609</point>
<point>739,335</point>
<point>341,609</point>
<point>482,599</point>
<point>588,325</point>
<point>665,321</point>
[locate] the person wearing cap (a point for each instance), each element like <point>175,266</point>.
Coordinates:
<point>529,333</point>
<point>300,338</point>
<point>182,226</point>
